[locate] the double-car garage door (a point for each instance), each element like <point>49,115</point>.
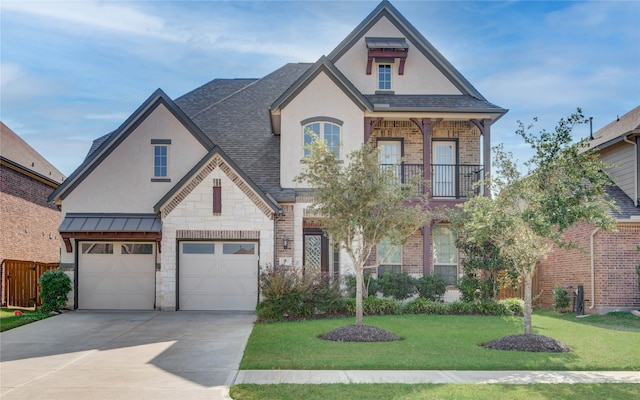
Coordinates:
<point>210,275</point>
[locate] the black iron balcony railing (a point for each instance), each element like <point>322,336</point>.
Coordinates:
<point>447,180</point>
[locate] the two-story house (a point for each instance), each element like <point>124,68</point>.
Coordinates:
<point>605,263</point>
<point>181,205</point>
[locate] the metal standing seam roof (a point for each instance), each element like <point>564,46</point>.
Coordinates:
<point>111,223</point>
<point>386,43</point>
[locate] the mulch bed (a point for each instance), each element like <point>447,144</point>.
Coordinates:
<point>530,343</point>
<point>361,333</point>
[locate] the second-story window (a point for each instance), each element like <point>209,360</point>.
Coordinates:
<point>384,76</point>
<point>327,131</point>
<point>160,161</point>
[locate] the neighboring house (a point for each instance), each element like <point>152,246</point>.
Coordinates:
<point>606,264</point>
<point>181,205</point>
<point>28,223</point>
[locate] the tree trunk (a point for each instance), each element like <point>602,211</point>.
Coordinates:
<point>528,277</point>
<point>359,285</point>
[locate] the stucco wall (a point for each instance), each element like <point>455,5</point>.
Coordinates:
<point>420,75</point>
<point>321,98</point>
<point>122,182</point>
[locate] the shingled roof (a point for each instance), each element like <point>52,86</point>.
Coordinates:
<point>17,152</point>
<point>615,131</point>
<point>240,122</point>
<point>433,103</point>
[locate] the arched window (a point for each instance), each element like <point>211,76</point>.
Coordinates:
<point>329,131</point>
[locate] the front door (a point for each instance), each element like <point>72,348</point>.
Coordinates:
<point>316,251</point>
<point>444,167</point>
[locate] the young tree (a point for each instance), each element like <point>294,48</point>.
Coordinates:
<point>565,185</point>
<point>359,204</point>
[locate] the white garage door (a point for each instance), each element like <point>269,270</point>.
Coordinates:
<point>116,276</point>
<point>218,276</point>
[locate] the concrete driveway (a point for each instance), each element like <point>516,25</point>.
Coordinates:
<point>124,355</point>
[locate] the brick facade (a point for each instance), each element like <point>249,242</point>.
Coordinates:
<point>616,255</point>
<point>29,225</point>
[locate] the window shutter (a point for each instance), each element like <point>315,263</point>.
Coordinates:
<point>217,200</point>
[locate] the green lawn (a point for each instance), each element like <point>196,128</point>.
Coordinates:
<point>434,392</point>
<point>8,320</point>
<point>445,342</point>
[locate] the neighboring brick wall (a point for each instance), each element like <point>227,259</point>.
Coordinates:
<point>28,224</point>
<point>616,256</point>
<point>616,278</point>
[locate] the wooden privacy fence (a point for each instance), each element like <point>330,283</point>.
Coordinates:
<point>509,291</point>
<point>20,282</point>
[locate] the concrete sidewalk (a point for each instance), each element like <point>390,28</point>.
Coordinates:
<point>264,377</point>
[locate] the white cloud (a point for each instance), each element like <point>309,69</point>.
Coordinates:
<point>108,16</point>
<point>107,116</point>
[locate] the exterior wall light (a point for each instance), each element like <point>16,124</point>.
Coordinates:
<point>285,242</point>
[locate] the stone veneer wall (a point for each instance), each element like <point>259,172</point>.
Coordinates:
<point>193,218</point>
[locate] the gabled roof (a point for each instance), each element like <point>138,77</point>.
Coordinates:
<point>614,132</point>
<point>241,125</point>
<point>113,140</point>
<point>341,81</point>
<point>194,172</point>
<point>20,156</point>
<point>385,9</point>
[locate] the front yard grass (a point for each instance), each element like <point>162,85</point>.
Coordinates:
<point>442,342</point>
<point>8,319</point>
<point>433,391</point>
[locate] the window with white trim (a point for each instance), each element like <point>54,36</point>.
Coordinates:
<point>384,76</point>
<point>445,253</point>
<point>389,258</point>
<point>327,131</point>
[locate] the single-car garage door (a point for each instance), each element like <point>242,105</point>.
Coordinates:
<point>218,276</point>
<point>116,276</point>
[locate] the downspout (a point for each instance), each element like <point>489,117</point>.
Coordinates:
<point>635,170</point>
<point>593,269</point>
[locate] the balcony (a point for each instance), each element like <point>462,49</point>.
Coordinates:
<point>447,180</point>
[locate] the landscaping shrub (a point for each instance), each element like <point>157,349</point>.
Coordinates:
<point>375,306</point>
<point>287,293</point>
<point>329,298</point>
<point>470,287</point>
<point>459,308</point>
<point>514,305</point>
<point>400,286</point>
<point>55,285</point>
<point>490,308</point>
<point>561,299</point>
<point>425,306</point>
<point>370,283</point>
<point>432,287</point>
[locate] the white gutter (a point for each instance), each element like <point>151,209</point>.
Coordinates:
<point>593,270</point>
<point>635,169</point>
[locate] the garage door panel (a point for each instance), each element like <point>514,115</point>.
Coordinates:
<point>119,278</point>
<point>225,278</point>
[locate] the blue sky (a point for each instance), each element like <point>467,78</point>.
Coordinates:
<point>72,71</point>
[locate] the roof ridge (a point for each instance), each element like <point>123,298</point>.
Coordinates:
<point>210,106</point>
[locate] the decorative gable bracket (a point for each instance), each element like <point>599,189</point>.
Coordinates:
<point>388,49</point>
